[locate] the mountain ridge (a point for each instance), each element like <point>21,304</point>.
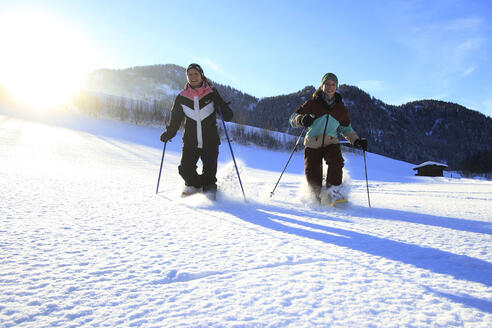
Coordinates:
<point>415,132</point>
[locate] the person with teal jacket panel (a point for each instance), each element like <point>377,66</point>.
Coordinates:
<point>324,116</point>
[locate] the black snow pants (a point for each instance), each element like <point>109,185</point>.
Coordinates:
<point>187,167</point>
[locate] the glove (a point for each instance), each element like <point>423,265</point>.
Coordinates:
<point>361,144</point>
<point>307,120</point>
<point>165,137</point>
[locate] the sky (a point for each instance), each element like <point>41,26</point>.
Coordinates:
<point>397,51</point>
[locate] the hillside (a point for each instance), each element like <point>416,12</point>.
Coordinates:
<point>414,132</point>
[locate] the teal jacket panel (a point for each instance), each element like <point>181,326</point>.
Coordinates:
<point>333,127</point>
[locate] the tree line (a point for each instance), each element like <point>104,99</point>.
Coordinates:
<point>158,112</point>
<point>415,132</point>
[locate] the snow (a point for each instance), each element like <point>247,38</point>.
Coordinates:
<point>434,127</point>
<point>430,163</point>
<point>85,241</point>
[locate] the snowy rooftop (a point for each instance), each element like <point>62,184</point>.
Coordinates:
<point>429,163</point>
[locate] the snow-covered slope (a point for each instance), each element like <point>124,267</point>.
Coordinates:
<point>85,241</point>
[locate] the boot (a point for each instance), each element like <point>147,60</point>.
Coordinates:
<point>190,190</point>
<point>210,191</point>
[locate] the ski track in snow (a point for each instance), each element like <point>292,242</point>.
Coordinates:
<point>85,241</point>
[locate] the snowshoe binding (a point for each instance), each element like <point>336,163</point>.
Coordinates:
<point>335,197</point>
<point>339,203</point>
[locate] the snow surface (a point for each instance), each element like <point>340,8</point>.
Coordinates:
<point>86,241</point>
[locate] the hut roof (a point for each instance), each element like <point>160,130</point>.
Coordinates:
<point>429,163</point>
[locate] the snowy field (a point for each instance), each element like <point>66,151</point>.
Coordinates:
<point>85,240</point>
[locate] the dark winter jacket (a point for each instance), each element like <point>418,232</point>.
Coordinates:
<point>198,107</point>
<point>329,121</point>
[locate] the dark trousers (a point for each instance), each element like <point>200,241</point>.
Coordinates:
<point>313,166</point>
<point>187,167</point>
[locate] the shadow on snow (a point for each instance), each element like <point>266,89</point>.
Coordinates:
<point>459,266</point>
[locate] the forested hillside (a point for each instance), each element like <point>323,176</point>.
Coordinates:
<point>414,132</point>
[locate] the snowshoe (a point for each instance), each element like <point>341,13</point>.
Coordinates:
<point>190,190</point>
<point>339,203</point>
<point>334,197</point>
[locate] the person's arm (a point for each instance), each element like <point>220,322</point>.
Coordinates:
<point>345,128</point>
<point>301,117</point>
<point>224,107</point>
<point>348,133</point>
<point>177,116</point>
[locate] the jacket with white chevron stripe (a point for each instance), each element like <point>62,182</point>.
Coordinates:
<point>198,108</point>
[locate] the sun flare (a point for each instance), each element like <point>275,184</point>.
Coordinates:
<point>42,59</point>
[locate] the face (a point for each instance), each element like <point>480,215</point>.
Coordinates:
<point>194,78</point>
<point>329,88</point>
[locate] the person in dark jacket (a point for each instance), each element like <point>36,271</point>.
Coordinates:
<point>324,116</point>
<point>198,105</point>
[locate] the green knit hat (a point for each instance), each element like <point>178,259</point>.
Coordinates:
<point>329,76</point>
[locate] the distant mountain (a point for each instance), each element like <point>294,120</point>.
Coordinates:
<point>156,82</point>
<point>421,130</point>
<point>414,132</point>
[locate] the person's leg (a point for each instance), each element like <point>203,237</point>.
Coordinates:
<point>334,160</point>
<point>209,172</point>
<point>187,167</point>
<point>313,168</point>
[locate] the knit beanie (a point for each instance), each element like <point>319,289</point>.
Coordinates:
<point>329,76</point>
<point>197,67</point>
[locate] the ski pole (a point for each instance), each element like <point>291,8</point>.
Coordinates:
<point>232,153</point>
<point>160,170</point>
<point>292,153</point>
<point>367,183</point>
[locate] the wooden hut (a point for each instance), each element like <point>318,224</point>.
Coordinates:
<point>430,169</point>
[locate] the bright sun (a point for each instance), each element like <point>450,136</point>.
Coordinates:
<point>42,59</point>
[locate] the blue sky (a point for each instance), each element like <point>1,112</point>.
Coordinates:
<point>397,51</point>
